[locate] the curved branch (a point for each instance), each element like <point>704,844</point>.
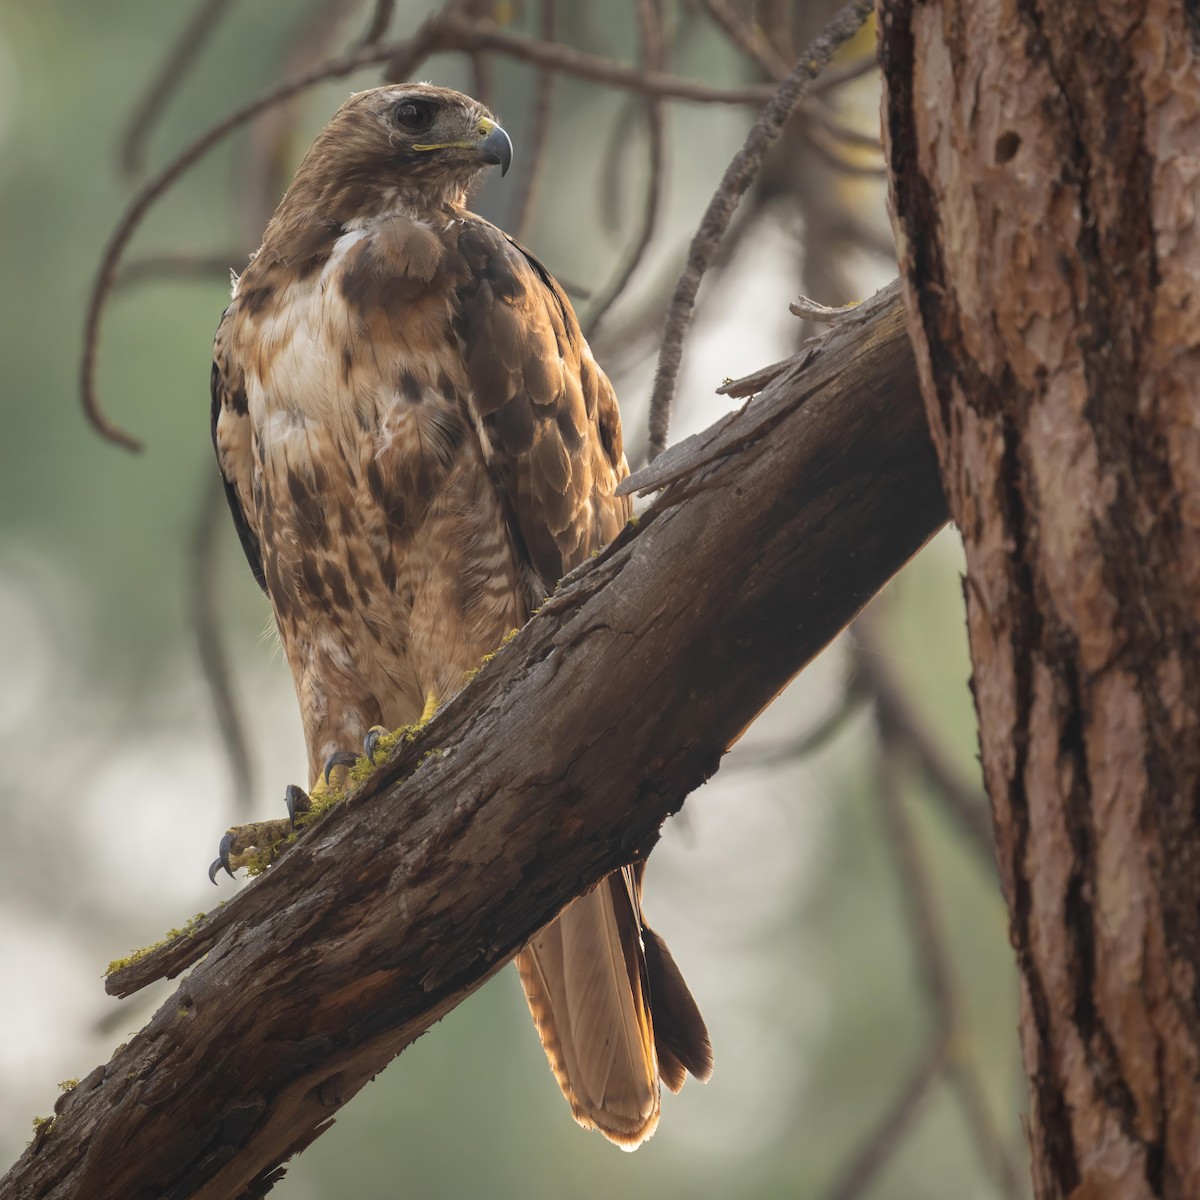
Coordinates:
<point>180,59</point>
<point>650,27</point>
<point>737,178</point>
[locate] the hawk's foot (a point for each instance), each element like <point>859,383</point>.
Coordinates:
<point>380,742</point>
<point>258,844</point>
<point>254,846</point>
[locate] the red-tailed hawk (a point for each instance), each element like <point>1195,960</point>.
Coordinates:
<point>417,443</point>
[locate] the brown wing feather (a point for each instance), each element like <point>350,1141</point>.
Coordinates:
<point>549,425</point>
<point>231,435</point>
<point>545,413</point>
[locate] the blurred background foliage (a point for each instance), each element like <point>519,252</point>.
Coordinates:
<point>780,887</point>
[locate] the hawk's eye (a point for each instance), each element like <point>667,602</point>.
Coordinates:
<point>414,115</point>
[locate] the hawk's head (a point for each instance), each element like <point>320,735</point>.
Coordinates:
<point>413,142</point>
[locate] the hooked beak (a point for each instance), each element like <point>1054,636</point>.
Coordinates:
<point>495,146</point>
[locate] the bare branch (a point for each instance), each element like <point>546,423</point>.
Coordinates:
<point>650,29</point>
<point>206,268</point>
<point>181,57</point>
<point>539,129</point>
<point>381,20</point>
<point>828,146</point>
<point>923,918</point>
<point>1000,1162</point>
<point>748,40</point>
<point>882,1141</point>
<point>933,957</point>
<point>823,314</point>
<point>737,178</point>
<point>775,20</point>
<point>965,804</point>
<point>457,34</point>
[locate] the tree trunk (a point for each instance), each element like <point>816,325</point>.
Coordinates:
<point>1043,159</point>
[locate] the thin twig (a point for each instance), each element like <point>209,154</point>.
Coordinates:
<point>823,314</point>
<point>178,267</point>
<point>267,155</point>
<point>457,34</point>
<point>650,32</point>
<point>153,103</point>
<point>821,115</point>
<point>483,77</point>
<point>748,39</point>
<point>881,1142</point>
<point>775,20</point>
<point>966,806</point>
<point>828,148</point>
<point>539,127</point>
<point>381,19</point>
<point>933,956</point>
<point>737,178</point>
<point>203,594</point>
<point>928,936</point>
<point>998,1160</point>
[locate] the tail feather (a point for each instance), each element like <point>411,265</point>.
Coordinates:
<point>680,1035</point>
<point>590,982</point>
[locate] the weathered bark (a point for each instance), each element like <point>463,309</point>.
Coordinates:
<point>1044,180</point>
<point>557,764</point>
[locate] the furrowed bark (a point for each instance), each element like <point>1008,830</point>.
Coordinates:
<point>1044,179</point>
<point>558,763</point>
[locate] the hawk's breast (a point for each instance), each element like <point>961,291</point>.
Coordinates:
<point>368,487</point>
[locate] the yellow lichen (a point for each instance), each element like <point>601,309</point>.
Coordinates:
<point>188,930</point>
<point>68,1085</point>
<point>263,857</point>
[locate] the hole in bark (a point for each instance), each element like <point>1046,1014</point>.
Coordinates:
<point>1007,144</point>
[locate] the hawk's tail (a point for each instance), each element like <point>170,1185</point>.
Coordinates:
<point>591,978</point>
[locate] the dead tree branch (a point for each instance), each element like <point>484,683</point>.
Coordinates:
<point>738,176</point>
<point>406,897</point>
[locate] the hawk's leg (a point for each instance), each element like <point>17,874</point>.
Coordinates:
<point>254,846</point>
<point>380,742</point>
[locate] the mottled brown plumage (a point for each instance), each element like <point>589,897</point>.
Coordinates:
<point>416,444</point>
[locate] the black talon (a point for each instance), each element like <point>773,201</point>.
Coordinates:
<point>340,758</point>
<point>222,859</point>
<point>297,801</point>
<point>371,744</point>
